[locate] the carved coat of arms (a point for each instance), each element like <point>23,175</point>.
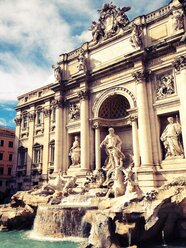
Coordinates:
<point>111,20</point>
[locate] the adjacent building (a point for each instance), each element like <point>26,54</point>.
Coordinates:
<point>132,77</point>
<point>7,160</point>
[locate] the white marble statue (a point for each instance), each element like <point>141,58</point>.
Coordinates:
<point>75,152</point>
<point>178,20</point>
<point>170,138</point>
<point>112,143</point>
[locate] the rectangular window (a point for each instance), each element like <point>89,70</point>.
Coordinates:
<point>39,118</point>
<point>1,170</point>
<point>10,144</point>
<point>7,183</point>
<point>1,183</point>
<point>10,157</point>
<point>37,156</point>
<point>9,171</point>
<point>22,156</point>
<point>1,156</point>
<point>52,152</point>
<point>1,142</point>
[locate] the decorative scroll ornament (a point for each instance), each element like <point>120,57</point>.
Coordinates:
<point>166,86</point>
<point>111,20</point>
<point>74,111</point>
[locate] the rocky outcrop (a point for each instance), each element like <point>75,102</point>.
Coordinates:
<point>16,218</point>
<point>136,219</point>
<point>22,198</point>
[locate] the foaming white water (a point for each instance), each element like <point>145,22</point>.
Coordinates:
<point>35,236</point>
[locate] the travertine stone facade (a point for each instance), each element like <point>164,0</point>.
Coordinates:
<point>131,77</point>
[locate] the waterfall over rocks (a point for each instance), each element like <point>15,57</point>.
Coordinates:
<point>59,221</point>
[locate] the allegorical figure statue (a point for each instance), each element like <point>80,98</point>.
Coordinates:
<point>170,138</point>
<point>112,143</point>
<point>75,152</point>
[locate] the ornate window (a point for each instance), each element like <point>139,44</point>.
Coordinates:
<point>114,107</point>
<point>37,154</point>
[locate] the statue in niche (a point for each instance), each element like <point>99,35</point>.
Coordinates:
<point>74,112</point>
<point>136,36</point>
<point>58,74</point>
<point>81,61</point>
<point>171,138</point>
<point>177,16</point>
<point>166,86</point>
<point>112,143</point>
<point>75,152</point>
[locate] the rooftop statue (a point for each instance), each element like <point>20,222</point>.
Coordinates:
<point>111,20</point>
<point>57,74</point>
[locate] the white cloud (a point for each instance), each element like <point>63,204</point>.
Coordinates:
<point>3,122</point>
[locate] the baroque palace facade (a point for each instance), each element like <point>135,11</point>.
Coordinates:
<point>132,77</point>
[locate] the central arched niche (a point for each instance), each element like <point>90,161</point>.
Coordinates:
<point>113,110</point>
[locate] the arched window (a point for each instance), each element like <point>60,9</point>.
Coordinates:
<point>114,107</point>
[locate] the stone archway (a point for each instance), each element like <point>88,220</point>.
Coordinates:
<point>113,109</point>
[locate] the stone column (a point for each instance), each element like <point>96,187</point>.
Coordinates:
<point>84,143</point>
<point>180,70</point>
<point>58,136</point>
<point>46,113</point>
<point>30,140</point>
<point>16,143</point>
<point>135,141</point>
<point>97,147</point>
<point>143,119</point>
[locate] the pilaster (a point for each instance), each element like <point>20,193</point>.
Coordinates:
<point>143,118</point>
<point>135,141</point>
<point>58,133</point>
<point>180,71</point>
<point>31,117</point>
<point>84,143</point>
<point>46,113</point>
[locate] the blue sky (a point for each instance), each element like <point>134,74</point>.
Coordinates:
<point>34,33</point>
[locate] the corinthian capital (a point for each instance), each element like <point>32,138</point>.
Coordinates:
<point>179,63</point>
<point>18,120</point>
<point>83,94</point>
<point>140,76</point>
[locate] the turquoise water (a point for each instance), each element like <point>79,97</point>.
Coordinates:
<point>30,240</point>
<point>23,240</point>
